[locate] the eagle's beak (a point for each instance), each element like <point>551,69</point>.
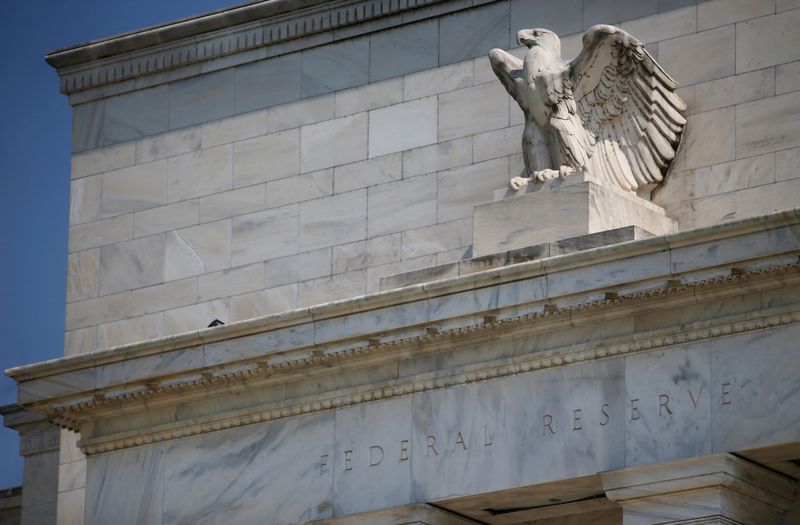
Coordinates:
<point>525,38</point>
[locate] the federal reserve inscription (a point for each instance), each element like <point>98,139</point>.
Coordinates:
<point>550,425</point>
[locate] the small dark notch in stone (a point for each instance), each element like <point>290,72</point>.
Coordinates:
<point>215,322</point>
<point>738,271</point>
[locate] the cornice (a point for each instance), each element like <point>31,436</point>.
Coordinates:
<point>69,415</point>
<point>175,30</point>
<point>214,35</point>
<point>478,280</point>
<point>550,359</point>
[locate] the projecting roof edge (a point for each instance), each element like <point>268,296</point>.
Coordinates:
<point>171,31</point>
<point>210,36</point>
<point>409,294</point>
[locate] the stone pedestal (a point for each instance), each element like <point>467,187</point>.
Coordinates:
<point>559,209</point>
<point>718,489</point>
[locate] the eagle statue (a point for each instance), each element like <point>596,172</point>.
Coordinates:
<point>612,112</point>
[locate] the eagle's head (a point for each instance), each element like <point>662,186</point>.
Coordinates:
<point>540,37</point>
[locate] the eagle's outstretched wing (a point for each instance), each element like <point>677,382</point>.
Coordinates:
<point>508,69</point>
<point>628,104</point>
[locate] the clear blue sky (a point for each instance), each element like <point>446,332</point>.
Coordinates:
<point>34,172</point>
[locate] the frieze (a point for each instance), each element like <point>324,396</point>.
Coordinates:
<point>552,426</point>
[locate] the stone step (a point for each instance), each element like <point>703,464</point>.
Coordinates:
<point>496,260</point>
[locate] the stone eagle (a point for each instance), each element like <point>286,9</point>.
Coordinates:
<point>612,112</point>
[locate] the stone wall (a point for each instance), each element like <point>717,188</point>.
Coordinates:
<point>741,79</point>
<point>295,175</point>
<point>305,178</point>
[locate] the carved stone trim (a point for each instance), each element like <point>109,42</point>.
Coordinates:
<point>67,415</point>
<point>209,37</point>
<point>90,447</point>
<point>299,360</point>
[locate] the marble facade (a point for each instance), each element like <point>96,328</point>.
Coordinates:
<point>331,183</point>
<point>480,394</point>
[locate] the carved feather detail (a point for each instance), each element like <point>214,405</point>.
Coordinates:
<point>628,105</point>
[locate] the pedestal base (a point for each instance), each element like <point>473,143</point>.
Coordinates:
<point>528,253</point>
<point>560,209</point>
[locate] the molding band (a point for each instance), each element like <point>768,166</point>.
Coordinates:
<point>572,354</point>
<point>550,360</point>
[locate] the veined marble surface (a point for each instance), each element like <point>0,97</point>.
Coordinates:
<point>126,488</point>
<point>248,475</point>
<point>251,473</point>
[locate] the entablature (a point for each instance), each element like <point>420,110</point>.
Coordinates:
<point>522,318</point>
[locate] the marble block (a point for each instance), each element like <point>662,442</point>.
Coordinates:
<point>559,209</point>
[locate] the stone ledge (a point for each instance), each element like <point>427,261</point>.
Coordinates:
<point>498,260</point>
<point>407,515</point>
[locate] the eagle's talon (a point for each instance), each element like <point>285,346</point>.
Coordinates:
<point>518,182</point>
<point>547,174</point>
<point>566,171</point>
